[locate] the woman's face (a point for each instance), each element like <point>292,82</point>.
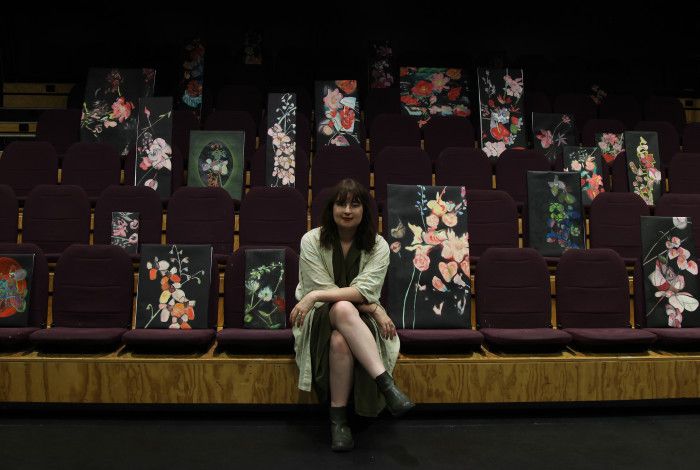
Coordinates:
<point>347,214</point>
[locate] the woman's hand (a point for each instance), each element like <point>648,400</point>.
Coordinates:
<point>386,326</point>
<point>298,313</point>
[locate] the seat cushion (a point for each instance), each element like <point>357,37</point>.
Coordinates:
<point>679,337</point>
<point>526,336</point>
<point>594,337</point>
<point>168,339</point>
<point>258,340</point>
<point>439,340</point>
<point>15,337</point>
<point>78,337</point>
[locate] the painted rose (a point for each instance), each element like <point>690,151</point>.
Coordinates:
<point>450,219</point>
<point>545,137</point>
<point>439,82</point>
<point>453,94</point>
<point>159,153</point>
<point>332,100</point>
<point>455,247</point>
<point>422,88</point>
<point>121,109</point>
<point>348,86</point>
<point>421,260</point>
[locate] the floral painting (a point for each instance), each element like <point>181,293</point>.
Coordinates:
<point>154,151</point>
<point>588,162</point>
<point>173,287</point>
<point>216,160</point>
<point>337,113</point>
<point>429,273</point>
<point>125,231</point>
<point>428,91</point>
<point>16,271</point>
<point>191,86</point>
<point>555,213</point>
<point>643,170</point>
<point>610,145</point>
<point>382,65</point>
<point>552,132</point>
<point>252,47</point>
<point>264,290</point>
<point>501,109</point>
<point>597,94</point>
<point>111,96</point>
<point>670,272</point>
<point>281,139</point>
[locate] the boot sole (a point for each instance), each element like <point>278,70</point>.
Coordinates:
<point>343,448</point>
<point>402,412</point>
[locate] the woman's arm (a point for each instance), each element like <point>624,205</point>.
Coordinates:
<point>323,295</point>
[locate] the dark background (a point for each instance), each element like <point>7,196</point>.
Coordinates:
<point>563,47</point>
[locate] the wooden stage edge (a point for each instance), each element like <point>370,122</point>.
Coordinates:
<point>219,378</point>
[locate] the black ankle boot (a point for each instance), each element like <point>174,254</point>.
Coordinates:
<point>396,401</point>
<point>341,436</point>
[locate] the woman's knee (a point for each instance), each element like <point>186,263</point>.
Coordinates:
<point>343,311</point>
<point>338,344</point>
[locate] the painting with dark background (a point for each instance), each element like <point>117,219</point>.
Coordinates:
<point>16,271</point>
<point>154,145</point>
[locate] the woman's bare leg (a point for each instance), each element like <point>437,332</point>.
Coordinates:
<point>342,364</point>
<point>346,319</point>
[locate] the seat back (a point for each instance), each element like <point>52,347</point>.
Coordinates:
<point>24,165</point>
<point>139,199</point>
<point>512,287</point>
<point>201,216</point>
<point>400,165</point>
<point>624,108</point>
<point>8,214</point>
<point>333,164</point>
<point>599,126</point>
<point>511,171</point>
<point>393,130</point>
<point>93,287</point>
<point>56,217</point>
<point>272,216</point>
<point>442,132</point>
<point>92,166</point>
<point>615,223</point>
<point>492,220</point>
<point>463,166</point>
<point>592,290</point>
<point>59,127</point>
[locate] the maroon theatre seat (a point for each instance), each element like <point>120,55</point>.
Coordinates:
<point>139,199</point>
<point>59,127</point>
<point>624,108</point>
<point>381,101</point>
<point>691,137</point>
<point>684,174</point>
<point>8,214</point>
<point>400,165</point>
<point>56,217</point>
<point>666,338</point>
<point>599,126</point>
<point>393,130</point>
<point>246,340</point>
<point>537,102</point>
<point>463,166</point>
<point>272,216</point>
<point>593,302</point>
<point>201,216</point>
<point>492,219</point>
<point>333,164</point>
<point>240,98</point>
<point>25,165</point>
<point>166,340</point>
<point>669,143</point>
<point>18,337</point>
<point>615,223</point>
<point>184,122</point>
<point>513,301</point>
<point>92,300</point>
<point>442,132</point>
<point>258,170</point>
<point>511,171</point>
<point>92,166</point>
<point>665,108</point>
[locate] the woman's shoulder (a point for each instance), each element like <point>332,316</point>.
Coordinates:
<point>380,245</point>
<point>311,238</point>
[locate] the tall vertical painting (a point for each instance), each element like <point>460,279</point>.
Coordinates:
<point>216,160</point>
<point>501,108</point>
<point>191,88</point>
<point>16,271</point>
<point>109,107</point>
<point>252,47</point>
<point>670,272</point>
<point>429,91</point>
<point>337,113</point>
<point>382,65</point>
<point>555,212</point>
<point>611,145</point>
<point>125,231</point>
<point>281,139</point>
<point>264,289</point>
<point>173,287</point>
<point>643,165</point>
<point>154,150</point>
<point>588,162</point>
<point>429,275</point>
<point>552,132</point>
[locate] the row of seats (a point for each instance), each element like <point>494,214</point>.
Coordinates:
<point>92,307</point>
<point>56,217</point>
<point>95,166</point>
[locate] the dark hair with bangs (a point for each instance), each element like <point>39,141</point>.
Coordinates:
<point>366,232</point>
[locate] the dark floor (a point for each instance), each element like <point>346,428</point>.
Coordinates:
<point>588,437</point>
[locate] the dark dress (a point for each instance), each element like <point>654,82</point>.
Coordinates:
<point>368,400</point>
